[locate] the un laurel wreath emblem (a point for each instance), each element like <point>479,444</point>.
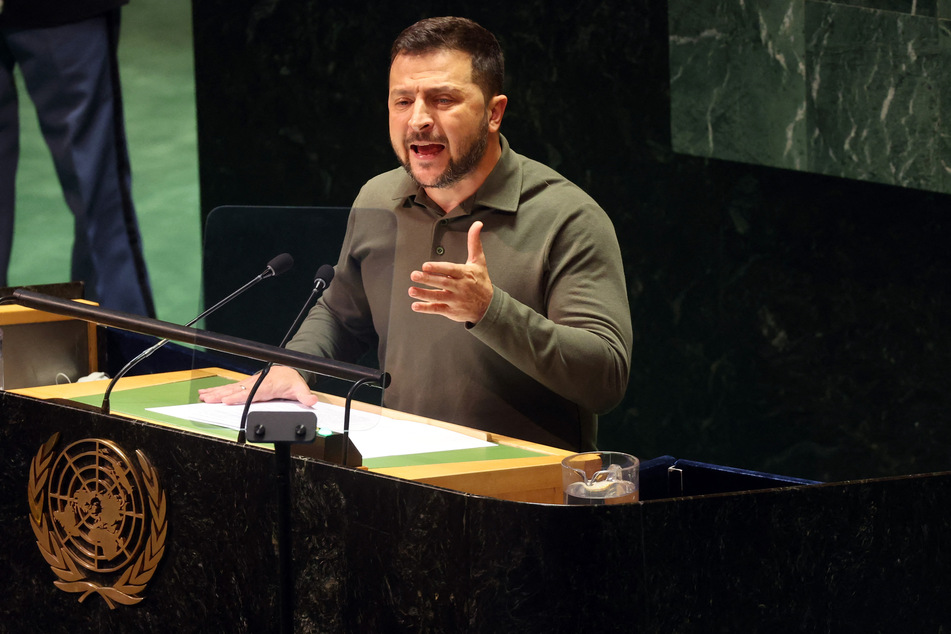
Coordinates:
<point>99,520</point>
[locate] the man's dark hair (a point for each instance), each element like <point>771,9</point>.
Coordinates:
<point>457,34</point>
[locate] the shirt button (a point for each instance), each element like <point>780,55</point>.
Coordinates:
<point>444,222</point>
<point>440,250</point>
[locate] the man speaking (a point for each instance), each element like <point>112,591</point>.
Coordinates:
<point>491,286</point>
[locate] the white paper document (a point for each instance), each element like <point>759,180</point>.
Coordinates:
<point>374,435</point>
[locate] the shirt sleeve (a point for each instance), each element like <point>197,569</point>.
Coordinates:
<point>338,327</point>
<point>581,347</point>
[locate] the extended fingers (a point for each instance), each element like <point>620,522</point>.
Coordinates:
<point>437,273</point>
<point>433,308</point>
<point>424,294</point>
<point>474,240</point>
<point>461,292</point>
<point>281,382</point>
<point>434,280</point>
<point>228,394</point>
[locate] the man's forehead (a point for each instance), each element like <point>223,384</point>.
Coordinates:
<point>440,66</point>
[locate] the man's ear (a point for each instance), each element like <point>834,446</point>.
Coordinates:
<point>496,111</point>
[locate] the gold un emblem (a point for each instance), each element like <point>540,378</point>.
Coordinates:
<point>94,526</point>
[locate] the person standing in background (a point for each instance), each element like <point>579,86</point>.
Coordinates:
<point>67,54</point>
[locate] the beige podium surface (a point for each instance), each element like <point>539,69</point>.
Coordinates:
<point>533,476</point>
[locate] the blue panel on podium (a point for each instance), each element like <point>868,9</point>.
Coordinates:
<point>669,477</point>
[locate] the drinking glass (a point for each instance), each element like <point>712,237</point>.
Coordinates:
<point>600,477</point>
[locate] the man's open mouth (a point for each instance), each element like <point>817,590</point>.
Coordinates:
<point>426,150</point>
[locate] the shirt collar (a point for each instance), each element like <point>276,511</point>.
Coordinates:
<point>501,190</point>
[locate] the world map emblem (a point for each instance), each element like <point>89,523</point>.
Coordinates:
<point>98,517</point>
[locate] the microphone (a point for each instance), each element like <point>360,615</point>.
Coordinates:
<point>278,265</point>
<point>322,279</point>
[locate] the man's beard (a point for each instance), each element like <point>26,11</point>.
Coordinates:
<point>457,170</point>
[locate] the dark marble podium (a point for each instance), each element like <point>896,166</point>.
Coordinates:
<point>377,554</point>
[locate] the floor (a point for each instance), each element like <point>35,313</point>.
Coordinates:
<point>157,69</point>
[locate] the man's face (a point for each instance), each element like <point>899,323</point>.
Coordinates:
<point>439,123</point>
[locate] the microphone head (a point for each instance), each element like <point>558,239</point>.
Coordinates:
<point>278,265</point>
<point>325,273</point>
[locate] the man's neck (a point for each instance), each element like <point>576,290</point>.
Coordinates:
<point>448,198</point>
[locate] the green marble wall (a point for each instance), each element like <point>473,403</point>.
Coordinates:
<point>856,89</point>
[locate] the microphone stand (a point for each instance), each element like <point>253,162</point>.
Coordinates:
<point>275,267</point>
<point>284,429</point>
<point>320,283</point>
<point>149,351</point>
<point>346,413</point>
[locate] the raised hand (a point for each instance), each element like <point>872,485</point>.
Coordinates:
<point>461,292</point>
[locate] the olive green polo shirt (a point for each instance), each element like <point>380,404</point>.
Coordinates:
<point>553,348</point>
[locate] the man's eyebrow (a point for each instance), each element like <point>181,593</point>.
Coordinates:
<point>432,90</point>
<point>445,88</point>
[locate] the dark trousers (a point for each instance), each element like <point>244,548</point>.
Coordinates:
<point>71,74</point>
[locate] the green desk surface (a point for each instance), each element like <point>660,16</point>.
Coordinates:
<point>136,403</point>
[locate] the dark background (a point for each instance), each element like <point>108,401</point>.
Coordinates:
<point>784,321</point>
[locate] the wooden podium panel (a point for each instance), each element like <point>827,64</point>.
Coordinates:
<point>533,477</point>
<point>41,348</point>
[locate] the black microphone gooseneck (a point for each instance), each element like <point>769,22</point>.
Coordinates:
<point>325,275</point>
<point>278,265</point>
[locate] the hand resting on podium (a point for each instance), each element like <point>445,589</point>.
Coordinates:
<point>281,382</point>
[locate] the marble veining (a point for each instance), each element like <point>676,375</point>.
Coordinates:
<point>378,554</point>
<point>755,112</point>
<point>854,90</point>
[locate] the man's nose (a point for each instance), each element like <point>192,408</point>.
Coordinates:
<point>420,119</point>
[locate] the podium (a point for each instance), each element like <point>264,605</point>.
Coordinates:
<point>375,552</point>
<point>378,553</point>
